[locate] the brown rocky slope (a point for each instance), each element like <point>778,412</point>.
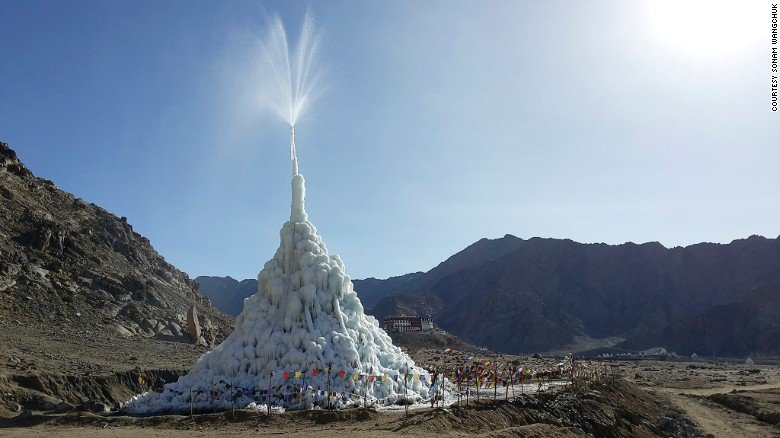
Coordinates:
<point>81,292</point>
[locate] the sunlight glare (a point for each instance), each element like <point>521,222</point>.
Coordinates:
<point>714,27</point>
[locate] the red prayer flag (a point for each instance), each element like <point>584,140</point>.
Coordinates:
<point>286,375</point>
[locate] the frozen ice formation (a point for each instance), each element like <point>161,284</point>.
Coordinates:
<point>305,316</point>
<point>304,332</point>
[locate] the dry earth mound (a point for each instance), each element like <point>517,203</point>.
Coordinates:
<point>607,409</point>
<point>81,292</point>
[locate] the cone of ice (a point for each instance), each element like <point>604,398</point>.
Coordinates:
<point>304,317</point>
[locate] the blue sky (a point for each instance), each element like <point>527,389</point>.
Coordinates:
<point>443,122</point>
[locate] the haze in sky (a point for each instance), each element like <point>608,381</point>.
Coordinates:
<point>442,123</point>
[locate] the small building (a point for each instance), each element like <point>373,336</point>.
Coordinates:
<point>408,323</point>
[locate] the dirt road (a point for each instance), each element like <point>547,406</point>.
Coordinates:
<point>715,419</point>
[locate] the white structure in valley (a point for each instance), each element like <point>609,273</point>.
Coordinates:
<point>305,316</point>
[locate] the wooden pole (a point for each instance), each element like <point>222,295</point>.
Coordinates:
<point>328,392</point>
<point>459,376</point>
<point>232,406</point>
<point>512,382</point>
<point>365,390</point>
<point>303,389</point>
<point>495,384</point>
<point>406,398</point>
<point>468,390</point>
<point>213,398</point>
<point>506,389</point>
<point>440,385</point>
<point>268,393</point>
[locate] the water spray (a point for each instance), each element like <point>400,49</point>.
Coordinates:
<point>293,152</point>
<point>305,314</point>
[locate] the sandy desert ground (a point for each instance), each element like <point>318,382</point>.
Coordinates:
<point>720,399</point>
<point>723,400</point>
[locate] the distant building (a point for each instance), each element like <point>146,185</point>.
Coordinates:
<point>408,323</point>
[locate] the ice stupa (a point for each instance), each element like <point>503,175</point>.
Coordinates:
<point>304,335</point>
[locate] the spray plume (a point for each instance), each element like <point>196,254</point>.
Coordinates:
<point>305,327</point>
<point>297,78</point>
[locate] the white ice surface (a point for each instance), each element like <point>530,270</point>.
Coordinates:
<point>305,315</point>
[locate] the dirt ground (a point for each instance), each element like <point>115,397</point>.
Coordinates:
<point>722,399</point>
<point>610,407</point>
<point>30,347</point>
<point>370,425</point>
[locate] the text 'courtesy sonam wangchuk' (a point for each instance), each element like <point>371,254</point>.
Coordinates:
<point>773,63</point>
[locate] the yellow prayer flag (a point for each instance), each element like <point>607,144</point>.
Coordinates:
<point>355,377</point>
<point>297,374</point>
<point>416,377</point>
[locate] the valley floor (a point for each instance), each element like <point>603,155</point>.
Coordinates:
<point>652,398</point>
<point>611,407</point>
<point>722,399</point>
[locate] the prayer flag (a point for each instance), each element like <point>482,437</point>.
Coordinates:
<point>297,374</point>
<point>315,371</point>
<point>355,377</point>
<point>286,375</point>
<point>342,374</point>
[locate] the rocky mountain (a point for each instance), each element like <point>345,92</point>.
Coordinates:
<point>375,289</point>
<point>226,293</point>
<point>67,263</point>
<point>516,295</point>
<point>749,324</point>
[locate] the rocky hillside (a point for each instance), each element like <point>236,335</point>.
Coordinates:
<point>515,295</point>
<point>68,263</point>
<point>374,290</point>
<point>226,293</point>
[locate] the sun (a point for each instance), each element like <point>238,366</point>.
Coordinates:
<point>711,27</point>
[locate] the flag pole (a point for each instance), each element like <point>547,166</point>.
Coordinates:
<point>268,393</point>
<point>406,398</point>
<point>328,394</point>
